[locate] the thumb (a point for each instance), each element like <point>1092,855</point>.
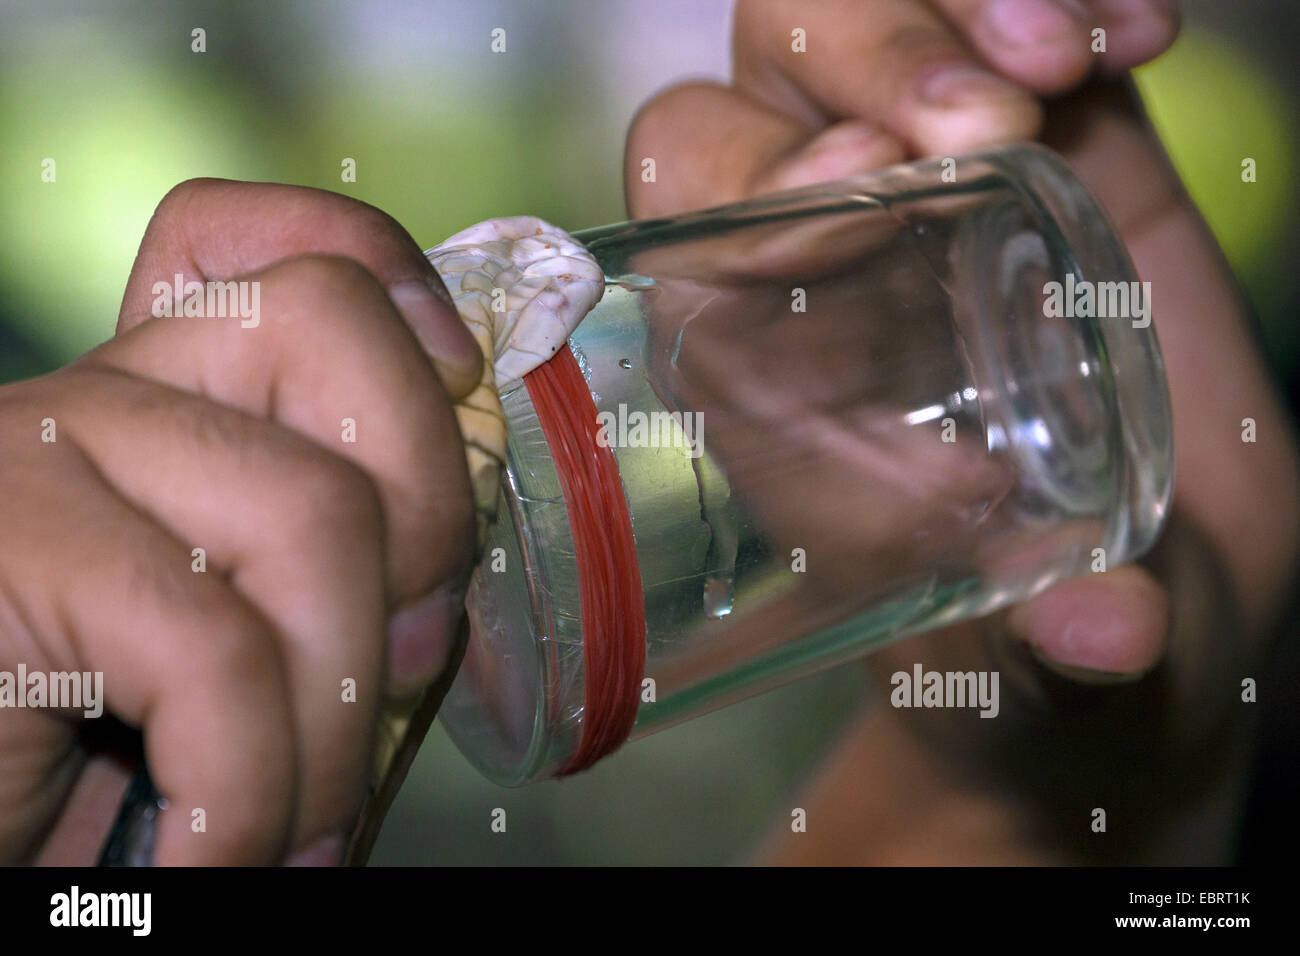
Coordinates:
<point>702,144</point>
<point>1106,628</point>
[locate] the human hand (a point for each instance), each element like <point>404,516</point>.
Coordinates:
<point>884,81</point>
<point>327,559</point>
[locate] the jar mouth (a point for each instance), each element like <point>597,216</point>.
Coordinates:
<point>502,710</point>
<point>493,710</point>
<point>1119,335</point>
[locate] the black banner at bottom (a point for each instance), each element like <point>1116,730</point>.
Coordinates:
<point>382,906</point>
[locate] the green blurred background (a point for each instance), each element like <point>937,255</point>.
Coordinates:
<point>445,133</point>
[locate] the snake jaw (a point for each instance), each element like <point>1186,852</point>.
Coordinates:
<point>521,286</point>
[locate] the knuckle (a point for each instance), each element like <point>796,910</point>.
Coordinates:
<point>379,227</point>
<point>211,428</point>
<point>180,197</point>
<point>330,279</point>
<point>690,94</point>
<point>207,428</point>
<point>660,115</point>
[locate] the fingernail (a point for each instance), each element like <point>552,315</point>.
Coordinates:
<point>327,851</point>
<point>1086,675</point>
<point>1029,22</point>
<point>421,636</point>
<point>434,320</point>
<point>963,84</point>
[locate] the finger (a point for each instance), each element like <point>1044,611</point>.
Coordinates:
<point>295,530</point>
<point>1046,45</point>
<point>1104,627</point>
<point>215,229</point>
<point>1214,364</point>
<point>1136,31</point>
<point>332,360</point>
<point>918,78</point>
<point>207,690</point>
<point>1051,45</point>
<point>712,144</point>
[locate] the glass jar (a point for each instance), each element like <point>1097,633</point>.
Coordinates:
<point>841,415</point>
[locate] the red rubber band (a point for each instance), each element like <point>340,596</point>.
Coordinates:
<point>609,576</point>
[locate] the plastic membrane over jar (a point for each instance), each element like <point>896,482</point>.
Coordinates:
<point>840,415</point>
